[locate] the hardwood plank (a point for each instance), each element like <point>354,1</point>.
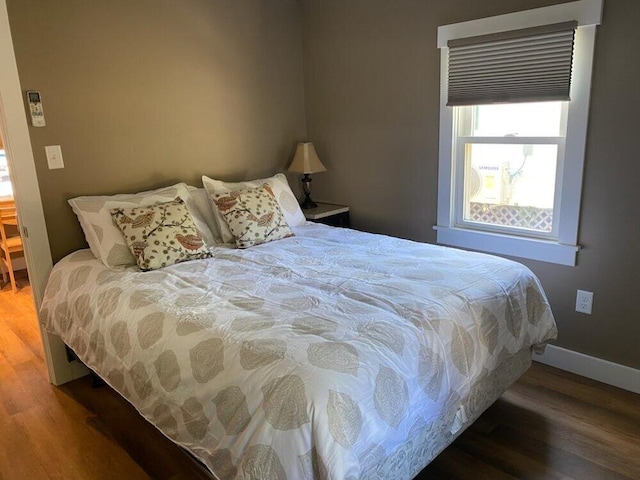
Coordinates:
<point>13,349</point>
<point>557,458</point>
<point>603,438</point>
<point>46,426</point>
<point>505,459</point>
<point>455,463</point>
<point>584,389</point>
<point>534,420</point>
<point>14,397</point>
<point>18,311</point>
<point>15,447</point>
<point>604,424</point>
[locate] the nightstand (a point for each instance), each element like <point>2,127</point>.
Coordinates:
<point>329,214</point>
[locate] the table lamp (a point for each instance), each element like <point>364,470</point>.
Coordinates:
<point>306,161</point>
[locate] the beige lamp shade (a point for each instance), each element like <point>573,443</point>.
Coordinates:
<point>306,160</point>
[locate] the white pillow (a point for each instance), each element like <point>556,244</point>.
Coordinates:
<point>105,239</point>
<point>280,187</point>
<point>203,205</point>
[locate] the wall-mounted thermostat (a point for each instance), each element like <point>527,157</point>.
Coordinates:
<point>35,109</point>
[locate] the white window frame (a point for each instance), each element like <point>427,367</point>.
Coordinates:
<point>563,249</point>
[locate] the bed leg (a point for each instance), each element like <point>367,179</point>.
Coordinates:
<point>71,355</point>
<point>96,381</point>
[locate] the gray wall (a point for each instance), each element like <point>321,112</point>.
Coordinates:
<point>372,107</point>
<point>143,93</point>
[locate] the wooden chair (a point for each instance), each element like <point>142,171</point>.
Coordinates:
<point>9,244</point>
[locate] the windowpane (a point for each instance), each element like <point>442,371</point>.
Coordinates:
<point>510,185</point>
<point>5,184</point>
<point>541,119</point>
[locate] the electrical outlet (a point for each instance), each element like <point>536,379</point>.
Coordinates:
<point>584,302</point>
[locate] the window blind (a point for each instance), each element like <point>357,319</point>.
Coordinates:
<point>528,65</point>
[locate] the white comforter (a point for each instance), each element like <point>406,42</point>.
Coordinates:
<point>315,356</point>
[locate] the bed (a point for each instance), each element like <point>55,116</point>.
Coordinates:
<point>330,354</point>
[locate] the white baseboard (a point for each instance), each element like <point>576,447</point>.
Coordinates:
<point>594,368</point>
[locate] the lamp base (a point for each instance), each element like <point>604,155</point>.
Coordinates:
<point>306,188</point>
<point>308,203</point>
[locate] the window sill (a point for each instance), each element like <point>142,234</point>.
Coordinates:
<point>534,249</point>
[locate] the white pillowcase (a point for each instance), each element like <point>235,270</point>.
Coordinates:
<point>105,239</point>
<point>203,205</point>
<point>280,187</point>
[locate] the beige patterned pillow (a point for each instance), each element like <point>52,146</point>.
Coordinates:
<point>253,216</point>
<point>280,188</point>
<point>160,235</point>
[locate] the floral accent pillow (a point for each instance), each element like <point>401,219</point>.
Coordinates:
<point>280,188</point>
<point>253,216</point>
<point>160,235</point>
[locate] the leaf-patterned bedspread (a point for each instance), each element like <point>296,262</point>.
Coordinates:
<point>309,357</point>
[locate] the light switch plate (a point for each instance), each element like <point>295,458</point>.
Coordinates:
<point>54,156</point>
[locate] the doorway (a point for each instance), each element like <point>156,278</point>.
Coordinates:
<point>26,193</point>
<point>12,263</point>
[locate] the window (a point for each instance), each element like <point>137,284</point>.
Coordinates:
<point>5,184</point>
<point>513,129</point>
<point>508,157</point>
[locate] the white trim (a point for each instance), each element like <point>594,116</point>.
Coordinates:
<point>17,145</point>
<point>576,137</point>
<point>512,140</point>
<point>522,247</point>
<point>446,150</point>
<point>585,12</point>
<point>594,368</point>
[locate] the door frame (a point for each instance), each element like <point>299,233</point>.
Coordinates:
<point>26,192</point>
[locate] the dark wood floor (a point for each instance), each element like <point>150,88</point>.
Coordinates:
<point>550,425</point>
